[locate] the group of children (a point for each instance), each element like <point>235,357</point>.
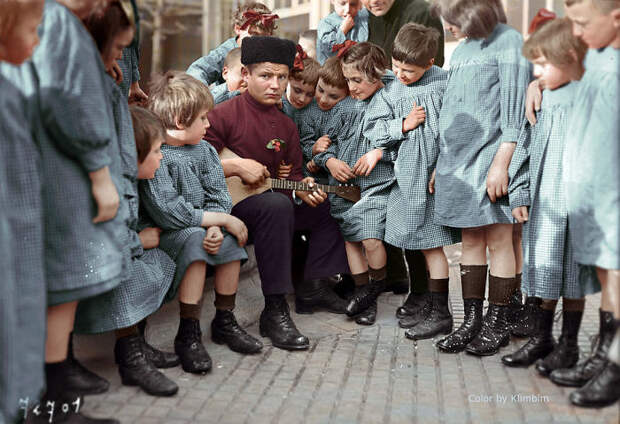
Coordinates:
<point>440,157</point>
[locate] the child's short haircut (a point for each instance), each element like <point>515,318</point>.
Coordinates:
<point>310,74</point>
<point>10,12</point>
<point>147,129</point>
<point>415,44</point>
<point>331,73</point>
<point>605,6</point>
<point>367,58</point>
<point>309,34</point>
<point>239,19</point>
<point>555,41</point>
<point>476,18</point>
<point>178,98</point>
<point>233,58</point>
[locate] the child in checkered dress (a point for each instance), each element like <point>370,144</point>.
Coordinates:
<point>404,115</point>
<point>537,199</point>
<point>251,18</point>
<point>188,199</point>
<point>348,21</point>
<point>233,84</point>
<point>480,118</point>
<point>351,159</point>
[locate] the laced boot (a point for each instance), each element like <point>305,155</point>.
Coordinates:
<point>188,345</point>
<point>602,390</point>
<point>437,317</point>
<point>277,324</point>
<point>473,284</point>
<point>158,358</point>
<point>364,296</point>
<point>368,316</point>
<point>581,373</point>
<point>226,330</point>
<point>411,312</point>
<point>136,370</point>
<point>515,306</point>
<point>81,380</point>
<point>317,293</point>
<point>538,346</point>
<point>418,287</point>
<point>495,331</point>
<point>525,321</point>
<point>343,286</point>
<point>566,352</point>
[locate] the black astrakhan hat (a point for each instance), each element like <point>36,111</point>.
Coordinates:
<point>259,49</point>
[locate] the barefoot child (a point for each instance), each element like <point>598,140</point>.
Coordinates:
<point>188,199</point>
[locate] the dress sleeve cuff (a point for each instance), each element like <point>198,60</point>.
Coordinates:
<point>519,198</point>
<point>197,219</point>
<point>509,135</point>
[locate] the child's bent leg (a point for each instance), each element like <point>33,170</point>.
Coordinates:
<point>355,256</point>
<point>193,284</point>
<point>376,255</point>
<point>224,327</point>
<point>436,317</point>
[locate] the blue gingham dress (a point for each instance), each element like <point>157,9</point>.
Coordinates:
<point>592,165</point>
<point>410,208</point>
<point>220,93</point>
<point>549,270</point>
<point>312,124</point>
<point>208,69</point>
<point>482,108</point>
<point>22,291</point>
<point>129,67</point>
<point>366,218</point>
<point>329,33</point>
<point>149,273</point>
<point>189,181</point>
<point>66,79</point>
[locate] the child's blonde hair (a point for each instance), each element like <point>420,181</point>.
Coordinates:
<point>555,41</point>
<point>331,73</point>
<point>415,44</point>
<point>605,6</point>
<point>10,11</point>
<point>239,19</point>
<point>178,98</point>
<point>476,18</point>
<point>367,58</point>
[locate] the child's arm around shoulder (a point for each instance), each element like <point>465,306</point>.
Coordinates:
<point>381,125</point>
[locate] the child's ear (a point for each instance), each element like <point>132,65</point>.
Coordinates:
<point>245,73</point>
<point>431,63</point>
<point>225,72</point>
<point>178,124</point>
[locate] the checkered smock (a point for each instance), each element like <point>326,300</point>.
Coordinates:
<point>220,93</point>
<point>549,270</point>
<point>410,209</point>
<point>208,69</point>
<point>329,33</point>
<point>483,107</point>
<point>592,163</point>
<point>189,181</point>
<point>366,218</point>
<point>312,124</point>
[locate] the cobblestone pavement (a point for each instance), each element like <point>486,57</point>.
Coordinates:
<point>351,374</point>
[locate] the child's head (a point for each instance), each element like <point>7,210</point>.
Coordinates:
<point>415,47</point>
<point>596,22</point>
<point>556,53</point>
<point>231,72</point>
<point>331,87</point>
<point>182,103</point>
<point>307,41</point>
<point>149,133</point>
<point>344,8</point>
<point>253,18</point>
<point>363,65</point>
<point>19,20</point>
<point>470,18</point>
<point>112,30</point>
<point>302,80</point>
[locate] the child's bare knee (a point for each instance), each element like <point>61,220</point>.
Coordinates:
<point>372,245</point>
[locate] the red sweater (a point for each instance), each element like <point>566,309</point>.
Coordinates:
<point>246,126</point>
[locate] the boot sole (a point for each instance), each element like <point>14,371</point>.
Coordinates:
<point>129,382</point>
<point>491,353</point>
<point>283,346</point>
<point>566,383</point>
<point>401,325</point>
<point>428,336</point>
<point>593,404</point>
<point>219,341</point>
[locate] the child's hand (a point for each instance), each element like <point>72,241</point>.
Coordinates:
<point>520,214</point>
<point>237,228</point>
<point>416,116</point>
<point>347,24</point>
<point>149,237</point>
<point>533,100</point>
<point>431,183</point>
<point>284,170</point>
<point>339,170</point>
<point>497,182</point>
<point>105,195</point>
<point>367,163</point>
<point>213,240</point>
<point>115,72</point>
<point>321,145</point>
<point>312,167</point>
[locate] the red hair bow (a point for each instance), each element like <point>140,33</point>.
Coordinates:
<point>342,48</point>
<point>541,17</point>
<point>298,65</point>
<point>252,17</point>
